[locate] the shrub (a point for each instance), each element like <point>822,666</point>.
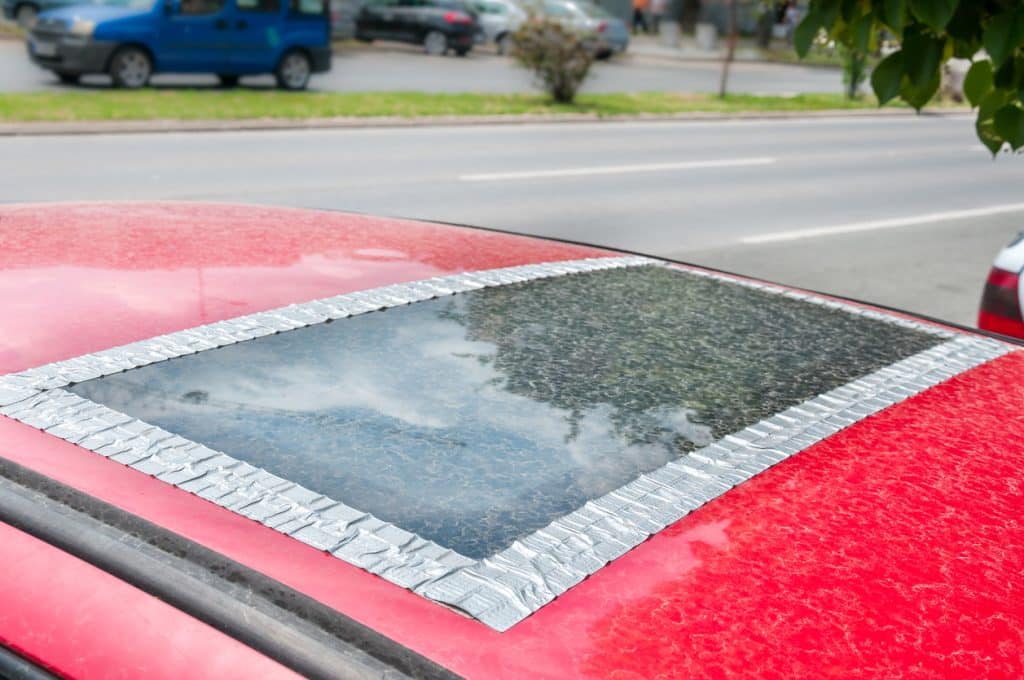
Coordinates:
<point>559,57</point>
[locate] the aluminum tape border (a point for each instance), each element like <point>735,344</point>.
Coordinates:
<point>507,587</point>
<point>36,398</point>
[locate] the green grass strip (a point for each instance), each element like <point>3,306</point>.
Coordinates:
<point>211,104</point>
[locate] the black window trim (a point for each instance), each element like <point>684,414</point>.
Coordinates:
<point>13,666</point>
<point>292,628</point>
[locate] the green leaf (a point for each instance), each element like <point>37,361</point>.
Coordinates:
<point>922,54</point>
<point>850,9</point>
<point>917,95</point>
<point>965,49</point>
<point>894,13</point>
<point>1006,76</point>
<point>978,81</point>
<point>860,32</point>
<point>1009,122</point>
<point>986,124</point>
<point>966,23</point>
<point>887,76</point>
<point>992,102</point>
<point>986,131</point>
<point>935,13</point>
<point>805,34</point>
<point>1004,33</point>
<point>827,11</point>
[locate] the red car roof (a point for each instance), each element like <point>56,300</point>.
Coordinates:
<point>894,544</point>
<point>77,278</point>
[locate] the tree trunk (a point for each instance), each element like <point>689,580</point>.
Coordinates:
<point>730,50</point>
<point>855,66</point>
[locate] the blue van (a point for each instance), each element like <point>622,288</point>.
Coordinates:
<point>133,39</point>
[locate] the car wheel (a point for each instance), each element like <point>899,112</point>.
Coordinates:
<point>505,44</point>
<point>25,16</point>
<point>131,68</point>
<point>68,78</point>
<point>227,80</point>
<point>294,70</point>
<point>435,43</point>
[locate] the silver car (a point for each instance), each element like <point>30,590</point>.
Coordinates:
<point>609,32</point>
<point>498,19</point>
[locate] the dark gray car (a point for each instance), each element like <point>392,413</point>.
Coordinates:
<point>609,33</point>
<point>438,25</point>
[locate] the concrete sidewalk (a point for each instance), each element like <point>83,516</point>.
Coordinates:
<point>29,129</point>
<point>644,46</point>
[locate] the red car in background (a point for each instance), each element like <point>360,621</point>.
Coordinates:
<point>260,442</point>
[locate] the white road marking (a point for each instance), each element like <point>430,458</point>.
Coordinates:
<point>798,234</point>
<point>616,169</point>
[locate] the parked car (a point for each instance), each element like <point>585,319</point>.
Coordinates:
<point>438,25</point>
<point>1001,310</point>
<point>499,19</point>
<point>609,33</point>
<point>254,442</point>
<point>24,12</point>
<point>343,18</point>
<point>132,39</point>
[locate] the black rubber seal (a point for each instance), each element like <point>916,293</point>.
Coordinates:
<point>272,618</point>
<point>15,667</point>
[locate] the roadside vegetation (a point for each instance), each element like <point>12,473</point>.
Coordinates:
<point>559,57</point>
<point>11,30</point>
<point>930,33</point>
<point>212,104</point>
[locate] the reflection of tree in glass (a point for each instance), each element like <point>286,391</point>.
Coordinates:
<point>652,341</point>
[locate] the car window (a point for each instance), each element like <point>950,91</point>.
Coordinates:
<point>129,4</point>
<point>593,11</point>
<point>259,5</point>
<point>556,9</point>
<point>311,7</point>
<point>491,8</point>
<point>200,7</point>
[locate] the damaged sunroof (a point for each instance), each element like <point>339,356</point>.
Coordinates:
<point>476,419</point>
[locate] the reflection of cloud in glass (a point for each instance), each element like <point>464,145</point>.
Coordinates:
<point>411,407</point>
<point>476,419</point>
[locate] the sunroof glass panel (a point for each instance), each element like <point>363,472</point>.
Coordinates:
<point>476,419</point>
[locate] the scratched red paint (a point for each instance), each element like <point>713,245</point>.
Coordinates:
<point>895,545</point>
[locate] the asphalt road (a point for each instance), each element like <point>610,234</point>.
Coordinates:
<point>400,67</point>
<point>872,208</point>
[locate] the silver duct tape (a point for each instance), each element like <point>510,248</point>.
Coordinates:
<point>16,387</point>
<point>324,523</point>
<point>507,587</point>
<point>35,398</point>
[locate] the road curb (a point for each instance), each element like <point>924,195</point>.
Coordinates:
<point>156,126</point>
